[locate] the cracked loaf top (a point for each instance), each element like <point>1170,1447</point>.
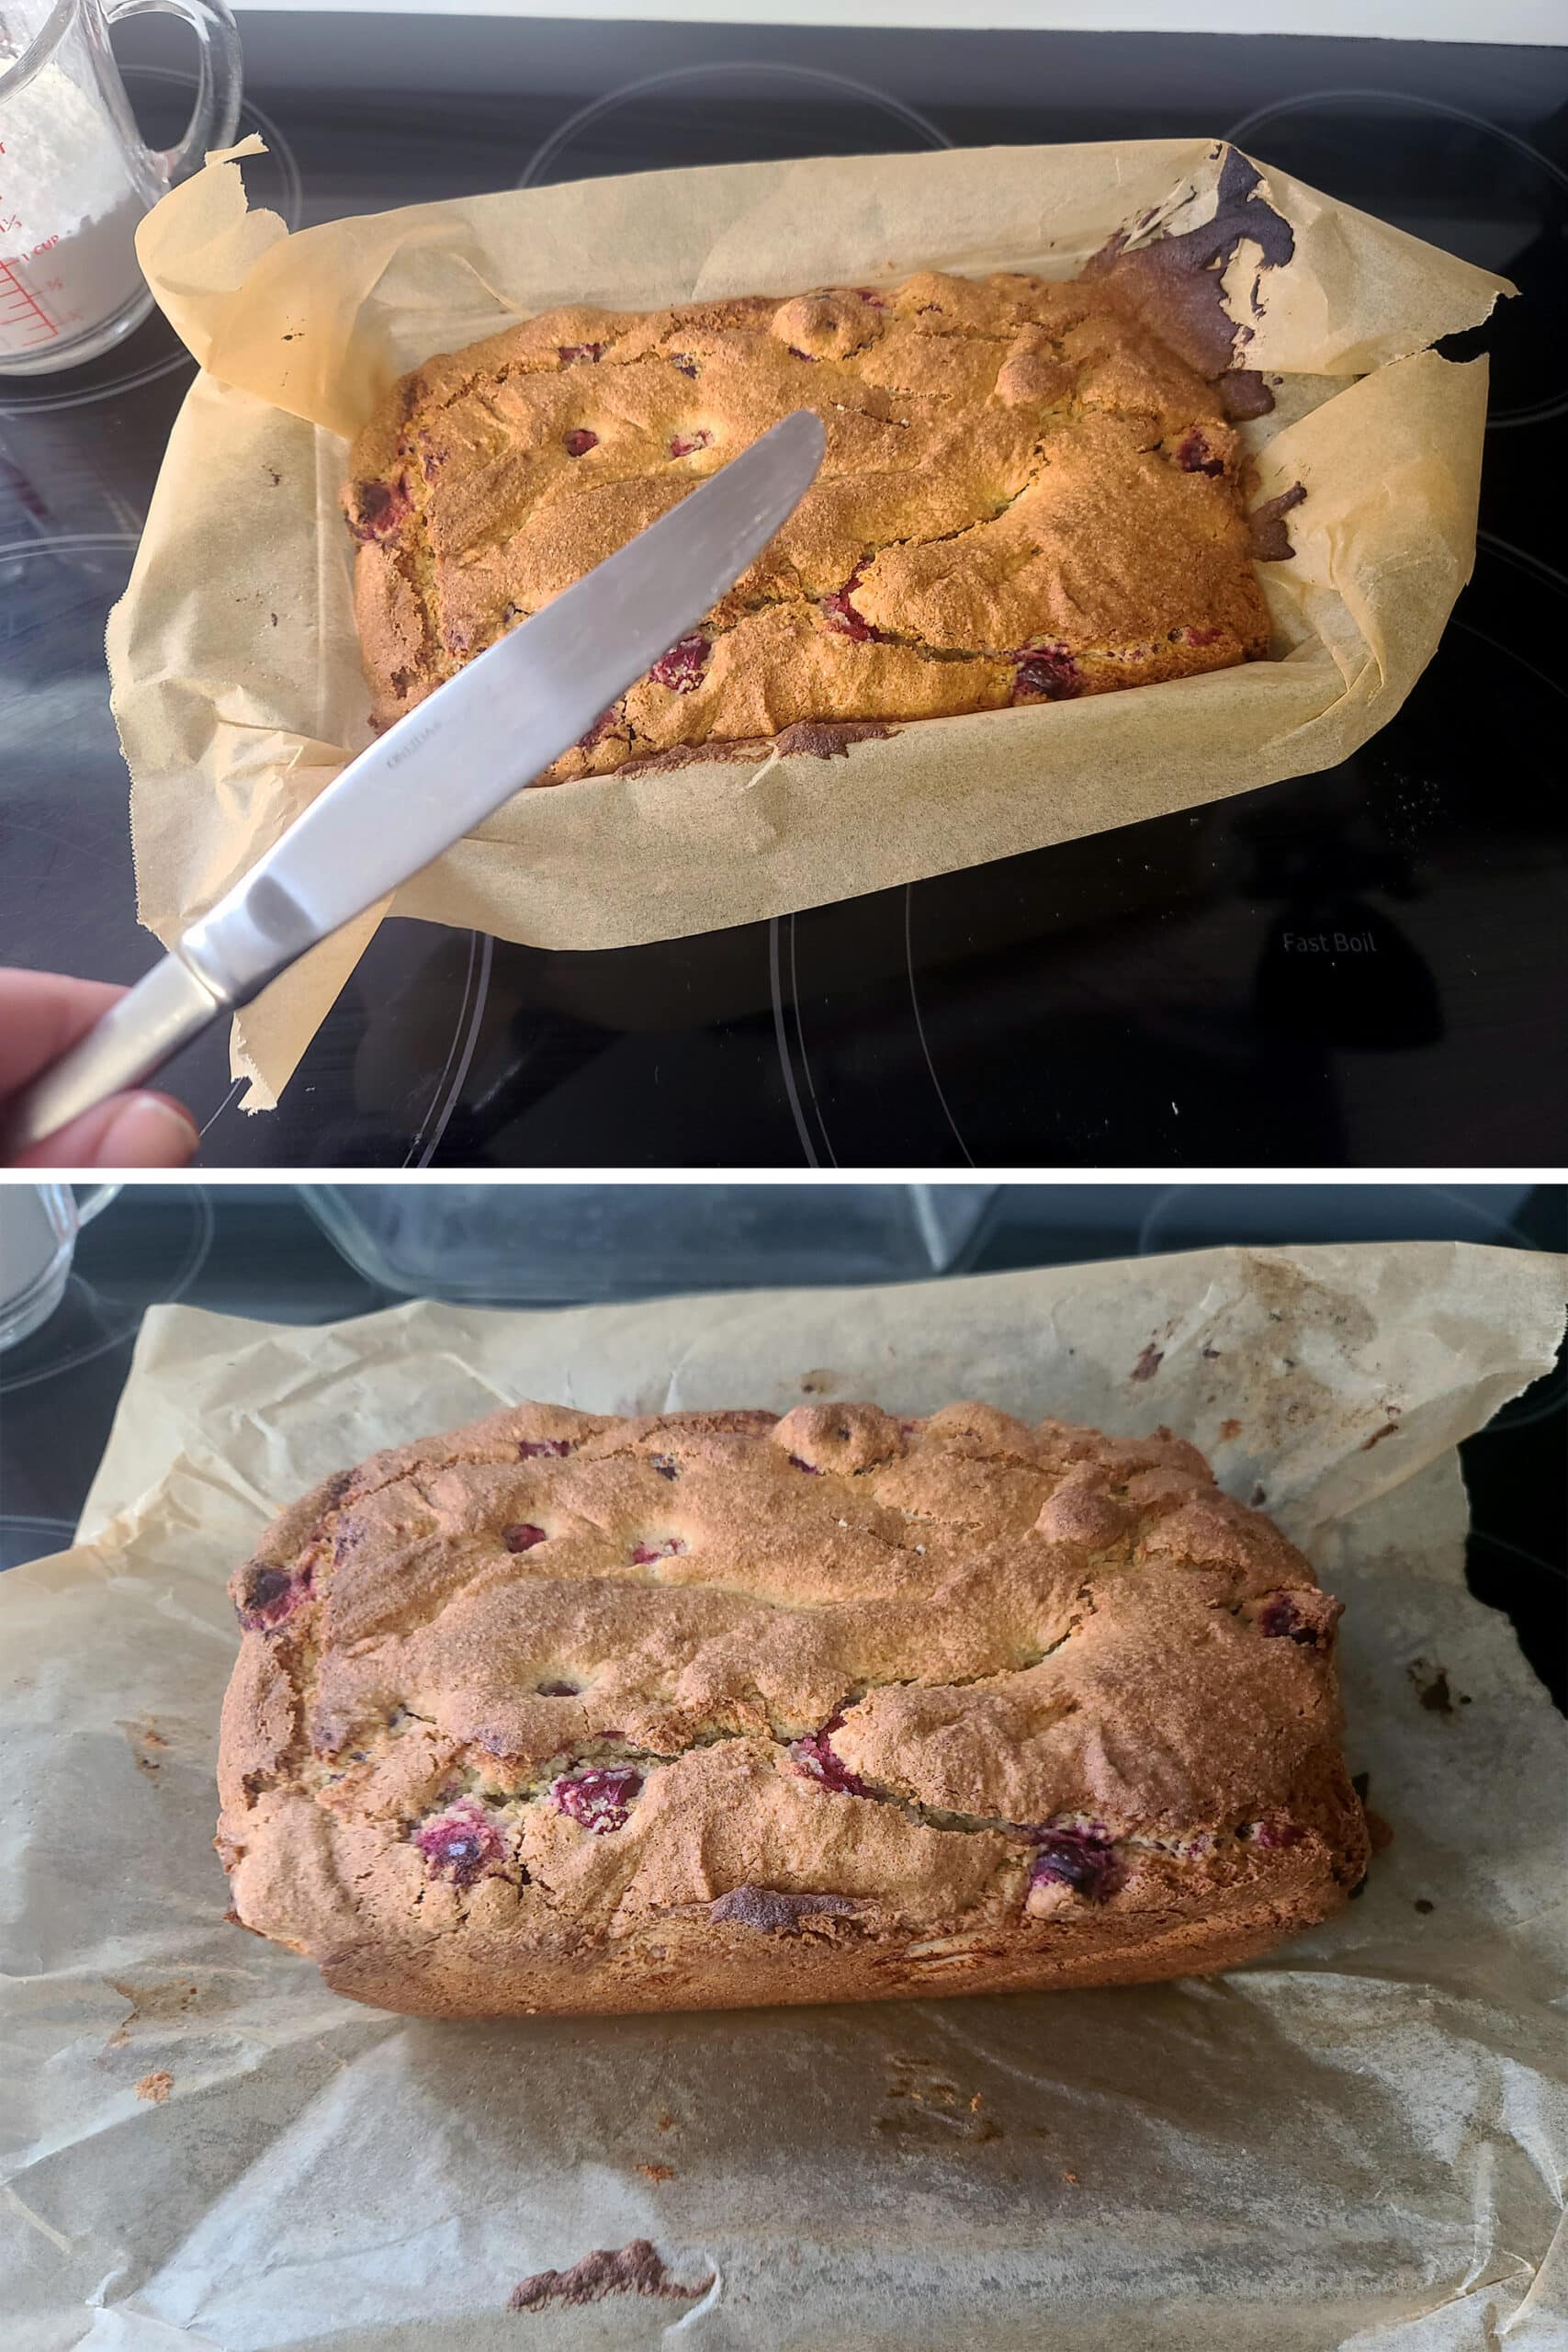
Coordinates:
<point>1026,496</point>
<point>562,1711</point>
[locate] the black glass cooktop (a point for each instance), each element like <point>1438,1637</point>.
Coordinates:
<point>1127,1000</point>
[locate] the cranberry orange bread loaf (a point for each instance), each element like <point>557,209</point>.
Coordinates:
<point>562,1712</point>
<point>1026,496</point>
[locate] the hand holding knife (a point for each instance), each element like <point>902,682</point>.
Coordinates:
<point>439,771</point>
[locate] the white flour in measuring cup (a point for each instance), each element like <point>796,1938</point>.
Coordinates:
<point>70,202</point>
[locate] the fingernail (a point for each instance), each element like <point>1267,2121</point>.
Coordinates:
<point>148,1133</point>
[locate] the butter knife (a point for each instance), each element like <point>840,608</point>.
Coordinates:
<point>439,771</point>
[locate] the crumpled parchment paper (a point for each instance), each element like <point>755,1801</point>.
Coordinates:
<point>235,664</point>
<point>1358,2143</point>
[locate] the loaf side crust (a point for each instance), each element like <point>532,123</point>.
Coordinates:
<point>569,1712</point>
<point>1027,496</point>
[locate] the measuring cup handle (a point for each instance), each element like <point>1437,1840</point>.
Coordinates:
<point>217,110</point>
<point>95,1199</point>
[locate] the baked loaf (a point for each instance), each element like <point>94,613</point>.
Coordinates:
<point>707,1710</point>
<point>1026,496</point>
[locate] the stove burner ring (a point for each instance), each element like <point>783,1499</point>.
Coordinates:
<point>24,1538</point>
<point>459,1053</point>
<point>814,1157</point>
<point>791,988</point>
<point>841,85</point>
<point>1531,412</point>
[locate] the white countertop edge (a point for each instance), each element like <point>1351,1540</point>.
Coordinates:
<point>1534,23</point>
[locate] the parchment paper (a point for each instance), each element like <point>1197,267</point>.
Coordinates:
<point>1358,2142</point>
<point>237,683</point>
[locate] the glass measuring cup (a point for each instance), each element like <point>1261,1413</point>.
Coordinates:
<point>38,1225</point>
<point>75,177</point>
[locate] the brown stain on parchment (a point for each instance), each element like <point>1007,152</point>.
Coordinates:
<point>933,2110</point>
<point>1432,1685</point>
<point>156,2004</point>
<point>1267,536</point>
<point>1175,283</point>
<point>146,1742</point>
<point>155,2086</point>
<point>1258,1390</point>
<point>1265,1388</point>
<point>155,1739</point>
<point>634,2269</point>
<point>1287,1293</point>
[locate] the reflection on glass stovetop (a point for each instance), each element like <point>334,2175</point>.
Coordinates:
<point>1140,998</point>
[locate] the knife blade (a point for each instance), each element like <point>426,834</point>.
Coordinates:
<point>440,771</point>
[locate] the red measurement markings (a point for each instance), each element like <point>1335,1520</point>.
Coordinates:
<point>22,316</point>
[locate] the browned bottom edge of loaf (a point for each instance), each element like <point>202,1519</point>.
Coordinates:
<point>808,738</point>
<point>693,1966</point>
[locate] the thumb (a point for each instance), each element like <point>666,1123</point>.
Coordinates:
<point>128,1131</point>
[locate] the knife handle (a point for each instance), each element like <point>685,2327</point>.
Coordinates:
<point>167,1007</point>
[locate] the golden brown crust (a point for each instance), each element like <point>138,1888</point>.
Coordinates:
<point>1027,496</point>
<point>714,1709</point>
